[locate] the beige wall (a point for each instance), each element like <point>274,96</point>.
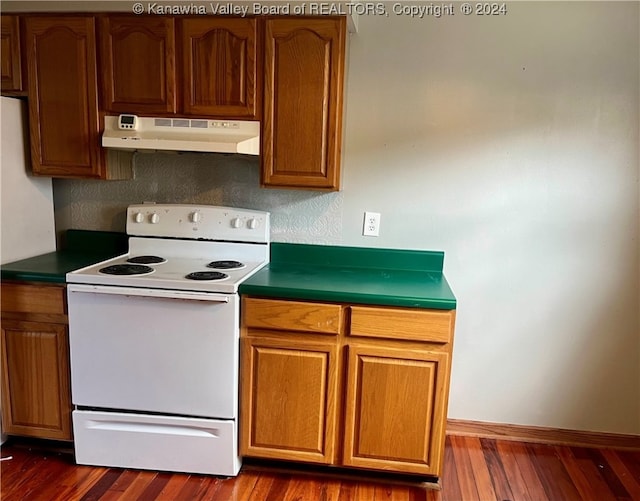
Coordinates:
<point>509,142</point>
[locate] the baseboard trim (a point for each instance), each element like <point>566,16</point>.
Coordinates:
<point>536,434</point>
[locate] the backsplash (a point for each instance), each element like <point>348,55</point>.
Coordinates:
<point>215,179</point>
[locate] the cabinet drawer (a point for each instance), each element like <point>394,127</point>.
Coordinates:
<point>292,315</point>
<point>33,298</point>
<point>394,323</point>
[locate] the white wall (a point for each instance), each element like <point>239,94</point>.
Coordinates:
<point>509,142</point>
<point>27,221</point>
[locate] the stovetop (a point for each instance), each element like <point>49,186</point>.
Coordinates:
<point>169,275</point>
<point>226,246</point>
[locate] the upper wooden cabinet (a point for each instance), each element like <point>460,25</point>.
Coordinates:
<point>303,94</point>
<point>220,66</point>
<point>63,96</point>
<point>138,64</point>
<point>287,72</point>
<point>203,66</point>
<point>12,80</point>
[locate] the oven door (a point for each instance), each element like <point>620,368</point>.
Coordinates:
<point>151,350</point>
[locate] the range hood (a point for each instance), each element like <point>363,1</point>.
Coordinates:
<point>130,132</point>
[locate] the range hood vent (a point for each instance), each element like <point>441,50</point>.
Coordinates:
<point>130,132</point>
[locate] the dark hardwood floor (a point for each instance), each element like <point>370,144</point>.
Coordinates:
<point>475,469</point>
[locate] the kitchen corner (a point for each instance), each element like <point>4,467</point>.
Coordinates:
<point>110,315</point>
<point>492,154</point>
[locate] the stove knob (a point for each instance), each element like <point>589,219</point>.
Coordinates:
<point>139,217</point>
<point>236,222</point>
<point>154,218</point>
<point>194,217</point>
<point>252,224</point>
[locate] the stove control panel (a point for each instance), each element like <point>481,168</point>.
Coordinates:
<point>198,222</point>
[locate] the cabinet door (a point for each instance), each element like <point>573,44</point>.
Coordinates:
<point>63,99</point>
<point>288,399</point>
<point>138,61</point>
<point>220,72</point>
<point>10,58</point>
<point>395,409</point>
<point>302,128</point>
<point>36,396</point>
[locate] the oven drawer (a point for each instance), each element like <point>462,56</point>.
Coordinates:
<point>298,316</point>
<point>149,442</point>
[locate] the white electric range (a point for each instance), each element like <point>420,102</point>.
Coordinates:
<point>154,339</point>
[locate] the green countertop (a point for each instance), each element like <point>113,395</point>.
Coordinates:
<point>81,248</point>
<point>392,277</point>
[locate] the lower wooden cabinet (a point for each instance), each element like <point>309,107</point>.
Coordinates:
<point>300,426</point>
<point>363,397</point>
<point>395,409</point>
<point>36,392</point>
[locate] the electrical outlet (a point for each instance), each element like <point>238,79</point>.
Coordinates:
<point>371,225</point>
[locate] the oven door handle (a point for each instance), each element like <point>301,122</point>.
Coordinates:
<point>146,292</point>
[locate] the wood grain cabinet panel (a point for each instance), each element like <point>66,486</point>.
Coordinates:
<point>10,63</point>
<point>392,378</point>
<point>63,97</point>
<point>220,66</point>
<point>36,395</point>
<point>395,411</point>
<point>293,315</point>
<point>289,399</point>
<point>407,324</point>
<point>33,298</point>
<point>36,392</point>
<point>138,57</point>
<point>303,89</point>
